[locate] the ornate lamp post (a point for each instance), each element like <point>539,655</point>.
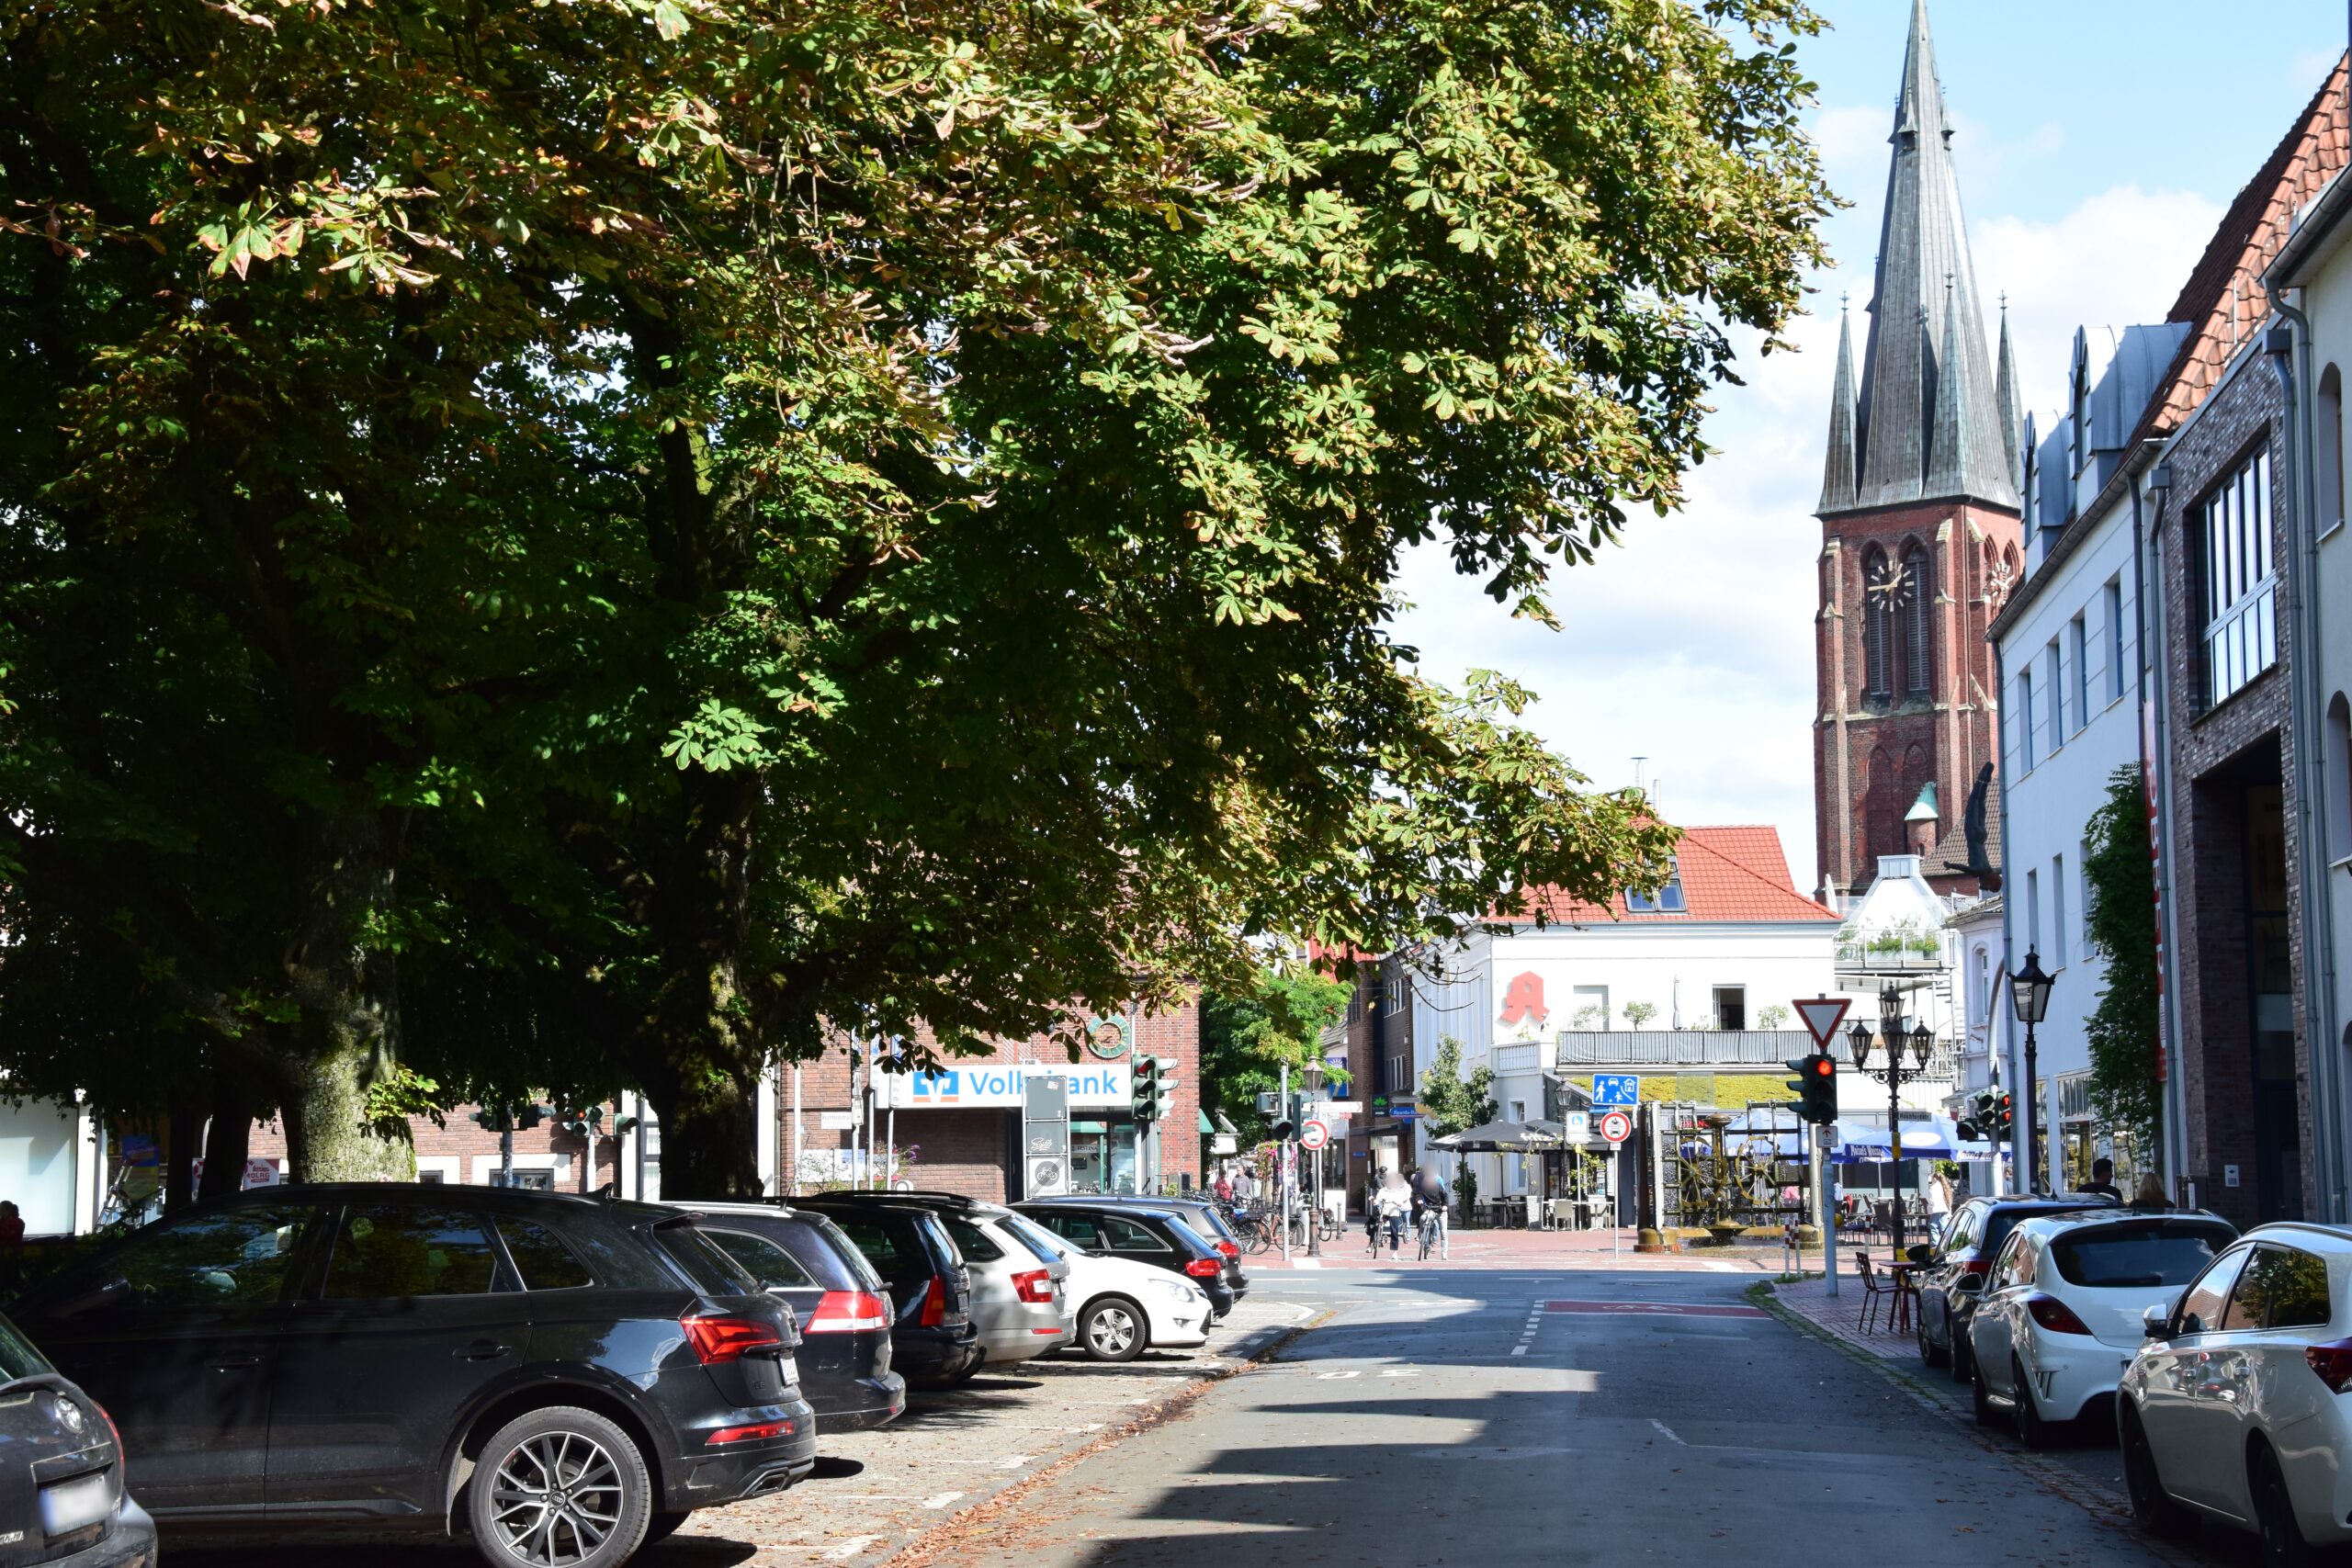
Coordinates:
<point>2029,994</point>
<point>1896,1034</point>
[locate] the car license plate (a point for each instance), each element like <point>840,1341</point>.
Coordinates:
<point>73,1504</point>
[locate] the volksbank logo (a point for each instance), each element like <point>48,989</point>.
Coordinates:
<point>1004,1086</point>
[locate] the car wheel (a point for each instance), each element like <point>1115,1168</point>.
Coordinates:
<point>1113,1329</point>
<point>2282,1538</point>
<point>1982,1402</point>
<point>2032,1430</point>
<point>1930,1354</point>
<point>1964,1359</point>
<point>560,1486</point>
<point>2152,1506</point>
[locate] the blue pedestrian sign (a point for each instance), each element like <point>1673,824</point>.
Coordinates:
<point>1616,1089</point>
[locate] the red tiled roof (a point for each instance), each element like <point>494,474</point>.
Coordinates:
<point>1727,874</point>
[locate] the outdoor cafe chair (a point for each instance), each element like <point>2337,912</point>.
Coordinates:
<point>1876,1292</point>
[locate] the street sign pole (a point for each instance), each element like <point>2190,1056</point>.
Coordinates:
<point>1282,1159</point>
<point>1822,1015</point>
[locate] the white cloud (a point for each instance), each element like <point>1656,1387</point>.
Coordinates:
<point>1691,644</point>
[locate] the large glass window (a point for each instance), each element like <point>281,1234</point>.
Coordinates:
<point>1666,900</point>
<point>544,1263</point>
<point>385,1250</point>
<point>2241,579</point>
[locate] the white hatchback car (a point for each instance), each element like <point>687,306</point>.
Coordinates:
<point>2235,1405</point>
<point>1124,1306</point>
<point>2065,1306</point>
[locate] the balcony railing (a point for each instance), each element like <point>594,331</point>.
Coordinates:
<point>1636,1048</point>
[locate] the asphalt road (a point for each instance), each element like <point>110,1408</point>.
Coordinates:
<point>1585,1418</point>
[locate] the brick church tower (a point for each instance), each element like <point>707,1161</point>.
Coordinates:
<point>1920,521</point>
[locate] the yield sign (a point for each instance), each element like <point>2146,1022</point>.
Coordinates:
<point>1822,1016</point>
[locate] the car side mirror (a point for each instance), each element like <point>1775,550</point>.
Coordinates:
<point>1918,1252</point>
<point>2156,1322</point>
<point>1969,1285</point>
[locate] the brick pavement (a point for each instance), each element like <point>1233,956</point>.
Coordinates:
<point>877,1493</point>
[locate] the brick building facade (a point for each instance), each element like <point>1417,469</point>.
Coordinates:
<point>459,1151</point>
<point>2222,551</point>
<point>945,1142</point>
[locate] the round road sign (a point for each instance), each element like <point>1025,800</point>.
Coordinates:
<point>1312,1134</point>
<point>1616,1126</point>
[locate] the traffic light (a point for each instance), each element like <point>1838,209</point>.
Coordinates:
<point>1144,1098</point>
<point>1979,1124</point>
<point>1284,1126</point>
<point>1817,1086</point>
<point>2005,1117</point>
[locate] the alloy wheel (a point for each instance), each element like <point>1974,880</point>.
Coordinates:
<point>555,1498</point>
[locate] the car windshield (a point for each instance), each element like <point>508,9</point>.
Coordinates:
<point>1038,1239</point>
<point>2120,1256</point>
<point>17,1357</point>
<point>705,1265</point>
<point>846,1250</point>
<point>1187,1235</point>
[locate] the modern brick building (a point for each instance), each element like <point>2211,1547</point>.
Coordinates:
<point>2221,547</point>
<point>960,1129</point>
<point>1918,512</point>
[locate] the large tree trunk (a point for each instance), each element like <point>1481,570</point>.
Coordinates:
<point>179,1156</point>
<point>347,1031</point>
<point>228,1142</point>
<point>710,1136</point>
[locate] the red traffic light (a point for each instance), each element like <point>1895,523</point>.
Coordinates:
<point>1822,1066</point>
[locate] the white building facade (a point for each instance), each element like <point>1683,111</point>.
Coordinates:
<point>2068,644</point>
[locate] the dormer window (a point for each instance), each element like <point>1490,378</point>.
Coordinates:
<point>1666,900</point>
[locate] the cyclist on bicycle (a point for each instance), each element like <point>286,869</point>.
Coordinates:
<point>1431,1201</point>
<point>1394,1202</point>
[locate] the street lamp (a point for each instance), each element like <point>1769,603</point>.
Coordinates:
<point>2029,994</point>
<point>1896,1034</point>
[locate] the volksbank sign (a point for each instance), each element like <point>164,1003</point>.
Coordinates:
<point>998,1086</point>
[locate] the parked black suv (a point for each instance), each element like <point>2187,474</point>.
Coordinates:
<point>934,1341</point>
<point>62,1503</point>
<point>1158,1236</point>
<point>844,1306</point>
<point>1196,1212</point>
<point>1955,1268</point>
<point>564,1377</point>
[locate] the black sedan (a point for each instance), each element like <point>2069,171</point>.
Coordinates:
<point>1158,1236</point>
<point>62,1503</point>
<point>805,1261</point>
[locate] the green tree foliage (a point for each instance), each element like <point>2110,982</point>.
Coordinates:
<point>566,545</point>
<point>1451,1102</point>
<point>1248,1037</point>
<point>2124,1030</point>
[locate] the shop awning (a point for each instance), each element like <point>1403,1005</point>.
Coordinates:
<point>1208,1128</point>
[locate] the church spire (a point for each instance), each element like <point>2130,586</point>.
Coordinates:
<point>1948,451</point>
<point>2005,400</point>
<point>1837,470</point>
<point>1925,324</point>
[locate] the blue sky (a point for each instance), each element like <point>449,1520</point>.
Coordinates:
<point>2097,143</point>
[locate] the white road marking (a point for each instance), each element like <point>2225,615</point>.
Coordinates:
<point>1337,1377</point>
<point>1671,1434</point>
<point>941,1500</point>
<point>1519,1351</point>
<point>1306,1263</point>
<point>851,1548</point>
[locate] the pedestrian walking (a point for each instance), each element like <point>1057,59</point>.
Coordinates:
<point>1224,1186</point>
<point>1939,1203</point>
<point>2102,1180</point>
<point>2151,1198</point>
<point>1372,1214</point>
<point>1396,1200</point>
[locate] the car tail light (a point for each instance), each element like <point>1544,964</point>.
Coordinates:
<point>1035,1287</point>
<point>934,1303</point>
<point>121,1468</point>
<point>748,1434</point>
<point>1230,1249</point>
<point>1204,1267</point>
<point>2055,1316</point>
<point>846,1312</point>
<point>2332,1361</point>
<point>717,1338</point>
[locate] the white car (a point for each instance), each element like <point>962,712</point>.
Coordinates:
<point>2236,1406</point>
<point>1123,1305</point>
<point>2063,1308</point>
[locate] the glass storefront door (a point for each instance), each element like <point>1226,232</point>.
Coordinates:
<point>1101,1156</point>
